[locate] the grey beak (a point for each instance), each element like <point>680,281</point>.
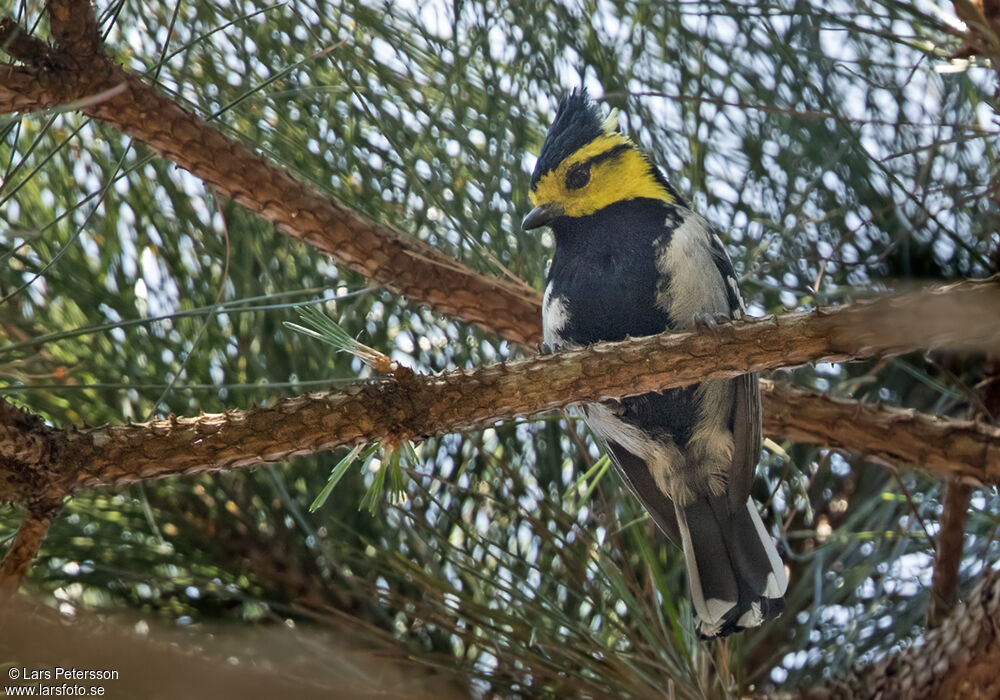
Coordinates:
<point>541,215</point>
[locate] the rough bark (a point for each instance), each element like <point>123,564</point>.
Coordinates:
<point>27,542</point>
<point>408,406</point>
<point>892,436</point>
<point>950,543</point>
<point>958,492</point>
<point>24,437</point>
<point>959,659</point>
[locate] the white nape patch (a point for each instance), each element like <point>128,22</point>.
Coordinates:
<point>610,125</point>
<point>555,316</point>
<point>696,286</point>
<point>664,461</point>
<point>777,580</point>
<point>752,617</point>
<point>710,612</point>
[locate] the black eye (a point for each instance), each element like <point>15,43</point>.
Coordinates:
<point>578,176</point>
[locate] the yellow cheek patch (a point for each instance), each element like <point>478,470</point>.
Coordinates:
<point>620,178</point>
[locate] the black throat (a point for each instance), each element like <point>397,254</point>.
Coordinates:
<point>604,270</point>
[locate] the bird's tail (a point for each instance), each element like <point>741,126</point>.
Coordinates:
<point>736,577</point>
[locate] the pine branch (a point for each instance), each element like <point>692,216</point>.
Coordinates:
<point>74,28</point>
<point>354,660</point>
<point>26,544</point>
<point>982,21</point>
<point>414,407</point>
<point>885,434</point>
<point>400,263</point>
<point>24,437</point>
<point>18,44</point>
<point>955,507</point>
<point>17,89</point>
<point>948,559</point>
<point>27,448</point>
<point>77,73</point>
<point>403,265</point>
<point>956,660</point>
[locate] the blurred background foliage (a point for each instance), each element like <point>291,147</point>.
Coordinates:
<point>835,144</point>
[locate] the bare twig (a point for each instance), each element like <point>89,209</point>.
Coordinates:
<point>958,492</point>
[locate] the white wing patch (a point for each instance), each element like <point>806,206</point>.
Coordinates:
<point>695,284</point>
<point>734,284</point>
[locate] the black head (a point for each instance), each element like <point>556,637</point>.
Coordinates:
<point>577,123</point>
<point>587,164</point>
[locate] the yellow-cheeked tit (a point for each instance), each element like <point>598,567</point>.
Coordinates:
<point>632,259</point>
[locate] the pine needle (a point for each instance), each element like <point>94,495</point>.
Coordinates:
<point>324,329</point>
<point>336,474</point>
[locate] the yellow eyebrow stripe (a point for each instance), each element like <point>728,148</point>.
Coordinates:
<point>598,146</point>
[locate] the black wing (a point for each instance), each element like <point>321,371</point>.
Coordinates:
<point>746,416</point>
<point>642,484</point>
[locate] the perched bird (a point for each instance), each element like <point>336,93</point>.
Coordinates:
<point>632,259</point>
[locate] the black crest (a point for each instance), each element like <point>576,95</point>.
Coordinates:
<point>577,123</point>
